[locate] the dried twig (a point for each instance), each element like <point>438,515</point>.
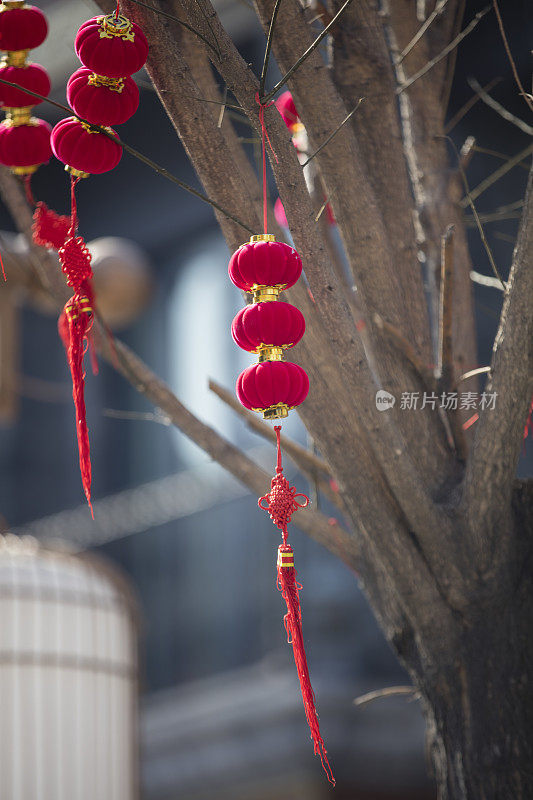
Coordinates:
<point>463,111</point>
<point>439,8</point>
<point>222,107</point>
<point>501,110</point>
<point>445,366</point>
<point>487,280</point>
<point>496,175</point>
<point>485,151</point>
<point>434,61</point>
<point>334,133</point>
<point>503,212</point>
<point>475,214</point>
<point>467,151</point>
<point>471,374</point>
<point>523,93</point>
<point>179,22</point>
<point>445,351</point>
<point>268,47</point>
<point>389,691</point>
<point>307,53</point>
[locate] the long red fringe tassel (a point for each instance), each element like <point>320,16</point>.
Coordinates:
<point>290,590</point>
<point>282,502</point>
<point>74,326</point>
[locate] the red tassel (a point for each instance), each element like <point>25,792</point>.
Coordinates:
<point>74,326</point>
<point>282,502</point>
<point>290,590</point>
<point>78,313</point>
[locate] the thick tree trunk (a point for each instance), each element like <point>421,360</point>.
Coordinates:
<point>478,701</point>
<point>480,709</point>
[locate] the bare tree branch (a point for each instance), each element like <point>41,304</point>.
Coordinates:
<point>523,93</point>
<point>447,50</point>
<point>147,383</point>
<point>484,95</point>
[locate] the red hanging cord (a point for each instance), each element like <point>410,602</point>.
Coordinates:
<point>264,135</point>
<point>282,502</point>
<point>27,188</point>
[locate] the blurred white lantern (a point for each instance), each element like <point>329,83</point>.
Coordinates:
<point>68,677</point>
<point>122,281</point>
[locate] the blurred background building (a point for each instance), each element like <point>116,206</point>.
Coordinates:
<point>221,713</point>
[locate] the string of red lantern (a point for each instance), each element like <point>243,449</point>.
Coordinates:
<point>268,327</point>
<point>102,92</point>
<point>24,139</point>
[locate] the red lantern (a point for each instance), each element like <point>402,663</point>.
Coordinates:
<point>33,77</point>
<point>22,27</point>
<point>272,387</point>
<point>287,109</point>
<point>24,146</point>
<point>82,150</point>
<point>261,327</point>
<point>111,46</point>
<point>102,100</point>
<point>263,262</point>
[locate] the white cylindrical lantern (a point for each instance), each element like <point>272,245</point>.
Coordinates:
<point>68,677</point>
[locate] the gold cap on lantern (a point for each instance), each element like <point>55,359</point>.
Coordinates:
<point>279,411</point>
<point>120,26</point>
<point>262,294</point>
<point>269,353</point>
<point>14,58</point>
<point>18,116</point>
<point>263,237</point>
<point>76,173</point>
<point>29,170</point>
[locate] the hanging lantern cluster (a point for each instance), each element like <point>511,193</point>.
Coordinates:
<point>102,92</point>
<point>268,327</point>
<point>265,268</point>
<point>24,139</point>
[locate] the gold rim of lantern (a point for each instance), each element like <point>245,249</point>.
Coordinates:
<point>18,116</point>
<point>269,352</point>
<point>265,294</point>
<point>14,58</point>
<point>29,170</point>
<point>76,173</point>
<point>7,4</point>
<point>279,411</point>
